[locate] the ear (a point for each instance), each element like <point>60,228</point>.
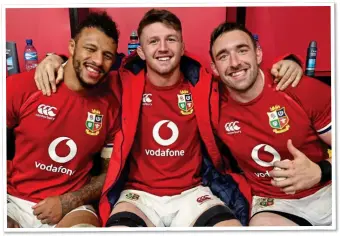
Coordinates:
<point>140,53</point>
<point>213,68</point>
<point>183,48</point>
<point>71,46</point>
<point>258,55</point>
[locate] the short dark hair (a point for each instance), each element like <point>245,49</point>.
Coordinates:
<point>159,15</point>
<point>101,21</point>
<point>227,27</point>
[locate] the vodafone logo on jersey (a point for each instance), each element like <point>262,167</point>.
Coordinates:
<point>59,159</point>
<point>52,150</point>
<point>165,142</point>
<point>268,150</point>
<point>46,111</point>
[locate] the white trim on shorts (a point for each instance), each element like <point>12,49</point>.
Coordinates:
<point>180,210</point>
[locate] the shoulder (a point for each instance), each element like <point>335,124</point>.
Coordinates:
<point>21,85</point>
<point>22,81</point>
<point>312,95</point>
<point>309,89</point>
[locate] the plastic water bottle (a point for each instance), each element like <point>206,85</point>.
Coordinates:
<point>256,38</point>
<point>30,55</point>
<point>311,58</point>
<point>133,43</point>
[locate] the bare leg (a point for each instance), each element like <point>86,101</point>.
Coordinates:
<point>78,217</point>
<point>12,223</point>
<point>270,219</point>
<point>228,223</point>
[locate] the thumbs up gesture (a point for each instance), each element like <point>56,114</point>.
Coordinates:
<point>297,174</point>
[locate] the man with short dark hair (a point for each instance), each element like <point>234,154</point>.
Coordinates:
<point>279,139</point>
<point>56,138</point>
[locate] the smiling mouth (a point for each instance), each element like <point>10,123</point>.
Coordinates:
<point>163,58</point>
<point>93,71</point>
<point>238,73</point>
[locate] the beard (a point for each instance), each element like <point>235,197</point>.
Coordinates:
<point>77,68</point>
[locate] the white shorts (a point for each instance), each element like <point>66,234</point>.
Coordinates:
<point>172,211</point>
<point>21,211</point>
<point>316,208</point>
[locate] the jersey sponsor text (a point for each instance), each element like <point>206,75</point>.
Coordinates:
<point>53,168</point>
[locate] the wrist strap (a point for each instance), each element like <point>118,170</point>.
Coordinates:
<point>326,170</point>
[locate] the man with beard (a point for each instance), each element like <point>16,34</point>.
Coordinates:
<point>57,137</point>
<point>279,139</point>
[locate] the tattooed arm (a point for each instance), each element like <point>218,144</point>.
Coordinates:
<point>87,194</point>
<point>52,209</point>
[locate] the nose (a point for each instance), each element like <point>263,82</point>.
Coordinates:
<point>234,60</point>
<point>97,57</point>
<point>163,46</point>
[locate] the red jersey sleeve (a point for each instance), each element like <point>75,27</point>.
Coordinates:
<point>19,88</point>
<point>314,97</point>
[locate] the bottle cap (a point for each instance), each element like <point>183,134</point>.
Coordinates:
<point>134,35</point>
<point>29,41</point>
<point>312,44</point>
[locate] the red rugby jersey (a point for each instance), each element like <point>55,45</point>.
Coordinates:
<point>257,132</point>
<point>166,155</point>
<point>56,136</point>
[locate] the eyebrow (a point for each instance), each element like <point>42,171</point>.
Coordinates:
<point>168,35</point>
<point>224,50</point>
<point>90,44</point>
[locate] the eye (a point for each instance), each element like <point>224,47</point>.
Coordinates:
<point>153,41</point>
<point>243,50</point>
<point>90,49</point>
<point>108,57</point>
<point>222,57</point>
<point>172,39</point>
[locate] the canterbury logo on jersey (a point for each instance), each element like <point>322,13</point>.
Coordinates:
<point>232,127</point>
<point>46,111</point>
<point>147,101</point>
<point>59,159</point>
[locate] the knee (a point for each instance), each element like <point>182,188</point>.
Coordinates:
<point>263,219</point>
<point>218,215</point>
<point>12,223</point>
<point>125,218</point>
<point>83,225</point>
